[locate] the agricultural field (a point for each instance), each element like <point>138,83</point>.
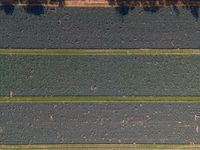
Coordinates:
<point>63,75</point>
<point>86,123</point>
<point>100,28</point>
<point>99,74</point>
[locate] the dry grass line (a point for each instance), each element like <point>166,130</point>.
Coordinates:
<point>99,51</point>
<point>102,147</point>
<point>96,99</point>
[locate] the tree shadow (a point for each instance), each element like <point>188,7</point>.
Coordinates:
<point>151,9</point>
<point>34,7</point>
<point>7,7</point>
<point>124,6</point>
<point>194,11</point>
<point>176,10</point>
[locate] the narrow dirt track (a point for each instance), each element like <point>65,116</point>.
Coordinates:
<point>104,3</point>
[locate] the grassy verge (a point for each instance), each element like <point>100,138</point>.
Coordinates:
<point>104,146</point>
<point>100,51</point>
<point>100,99</point>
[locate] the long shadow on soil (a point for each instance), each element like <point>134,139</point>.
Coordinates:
<point>36,7</point>
<point>123,7</point>
<point>7,7</point>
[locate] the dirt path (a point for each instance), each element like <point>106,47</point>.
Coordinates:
<point>105,3</point>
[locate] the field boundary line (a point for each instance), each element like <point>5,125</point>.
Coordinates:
<point>99,51</point>
<point>105,146</point>
<point>99,99</point>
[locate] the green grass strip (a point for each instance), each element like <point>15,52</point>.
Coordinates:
<point>99,51</point>
<point>104,146</point>
<point>100,99</point>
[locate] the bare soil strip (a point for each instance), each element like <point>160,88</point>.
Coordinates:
<point>104,3</point>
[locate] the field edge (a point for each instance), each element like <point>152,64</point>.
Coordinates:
<point>99,51</point>
<point>104,146</point>
<point>99,99</point>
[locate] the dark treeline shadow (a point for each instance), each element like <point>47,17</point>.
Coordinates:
<point>7,7</point>
<point>34,7</point>
<point>194,11</point>
<point>123,7</point>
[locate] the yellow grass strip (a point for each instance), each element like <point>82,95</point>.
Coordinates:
<point>100,99</point>
<point>99,51</point>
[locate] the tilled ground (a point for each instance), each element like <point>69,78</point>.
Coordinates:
<point>69,27</point>
<point>41,123</point>
<point>100,75</point>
